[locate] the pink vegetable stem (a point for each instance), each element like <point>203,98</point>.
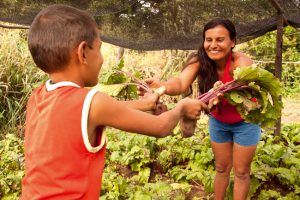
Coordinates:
<point>220,90</point>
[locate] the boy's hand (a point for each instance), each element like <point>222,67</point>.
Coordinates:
<point>152,83</point>
<point>160,108</point>
<point>191,111</point>
<point>191,108</point>
<point>151,100</point>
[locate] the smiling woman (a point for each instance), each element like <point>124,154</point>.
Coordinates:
<point>217,45</point>
<point>231,137</point>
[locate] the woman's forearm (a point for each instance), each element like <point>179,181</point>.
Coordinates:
<point>174,86</point>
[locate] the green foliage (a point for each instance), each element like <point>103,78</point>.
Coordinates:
<point>113,185</point>
<point>264,87</point>
<point>190,160</point>
<point>133,150</point>
<point>263,51</point>
<point>18,76</point>
<point>291,79</point>
<point>116,83</point>
<point>272,194</point>
<point>11,167</point>
<point>139,167</point>
<point>278,163</point>
<point>269,194</point>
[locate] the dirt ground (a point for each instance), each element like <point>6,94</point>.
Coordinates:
<point>291,110</point>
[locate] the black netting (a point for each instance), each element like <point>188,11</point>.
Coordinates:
<point>164,24</point>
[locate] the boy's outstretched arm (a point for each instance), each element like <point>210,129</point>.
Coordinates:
<point>146,103</point>
<point>106,111</point>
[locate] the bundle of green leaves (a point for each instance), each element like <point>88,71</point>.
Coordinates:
<point>117,82</point>
<point>255,92</point>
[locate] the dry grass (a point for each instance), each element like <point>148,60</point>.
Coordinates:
<point>18,77</point>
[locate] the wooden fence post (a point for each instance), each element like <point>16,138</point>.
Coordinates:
<point>278,61</point>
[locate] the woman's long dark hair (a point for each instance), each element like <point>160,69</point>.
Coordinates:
<point>208,75</point>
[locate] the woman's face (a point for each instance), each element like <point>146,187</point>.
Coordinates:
<point>217,43</point>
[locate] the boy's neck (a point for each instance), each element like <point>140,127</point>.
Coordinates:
<point>66,75</point>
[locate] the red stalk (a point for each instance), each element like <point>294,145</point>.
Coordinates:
<point>232,85</point>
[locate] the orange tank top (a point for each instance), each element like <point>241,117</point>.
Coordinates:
<point>228,114</point>
<point>60,163</point>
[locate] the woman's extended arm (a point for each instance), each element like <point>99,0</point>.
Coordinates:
<point>176,85</point>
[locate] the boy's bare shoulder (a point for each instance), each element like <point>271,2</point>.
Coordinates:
<point>102,100</point>
<point>102,109</point>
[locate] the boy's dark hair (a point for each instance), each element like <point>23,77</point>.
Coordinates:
<point>55,32</point>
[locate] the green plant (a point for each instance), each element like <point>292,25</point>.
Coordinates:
<point>11,166</point>
<point>18,76</point>
<point>252,82</point>
<point>263,52</point>
<point>117,84</point>
<point>140,167</point>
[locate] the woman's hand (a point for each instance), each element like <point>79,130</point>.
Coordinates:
<point>215,102</point>
<point>152,83</point>
<point>217,84</point>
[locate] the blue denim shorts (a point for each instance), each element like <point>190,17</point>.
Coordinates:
<point>242,133</point>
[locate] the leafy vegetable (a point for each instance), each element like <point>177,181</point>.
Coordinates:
<point>116,81</point>
<point>255,92</point>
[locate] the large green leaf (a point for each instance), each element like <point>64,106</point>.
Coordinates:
<point>112,90</point>
<point>262,86</point>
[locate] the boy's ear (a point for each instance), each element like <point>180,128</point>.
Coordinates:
<point>81,52</point>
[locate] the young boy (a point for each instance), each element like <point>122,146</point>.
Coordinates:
<point>64,138</point>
